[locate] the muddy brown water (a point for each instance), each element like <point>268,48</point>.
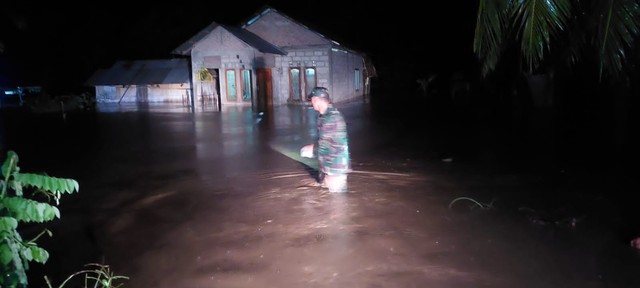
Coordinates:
<point>174,199</point>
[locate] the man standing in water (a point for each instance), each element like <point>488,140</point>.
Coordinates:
<point>332,145</point>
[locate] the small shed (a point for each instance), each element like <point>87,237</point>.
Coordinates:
<point>159,81</point>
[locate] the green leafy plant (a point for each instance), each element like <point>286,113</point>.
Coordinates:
<point>204,74</point>
<point>24,198</point>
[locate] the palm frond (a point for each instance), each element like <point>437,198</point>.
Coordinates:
<point>538,23</point>
<point>571,49</point>
<point>490,32</point>
<point>619,24</point>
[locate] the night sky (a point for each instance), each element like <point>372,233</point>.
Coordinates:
<point>60,46</point>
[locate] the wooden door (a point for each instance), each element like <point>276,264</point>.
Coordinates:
<point>265,89</point>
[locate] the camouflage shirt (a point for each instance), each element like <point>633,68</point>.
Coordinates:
<point>332,145</point>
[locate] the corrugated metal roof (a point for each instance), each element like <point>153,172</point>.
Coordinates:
<point>143,72</point>
<point>266,9</point>
<point>255,41</point>
<point>246,36</point>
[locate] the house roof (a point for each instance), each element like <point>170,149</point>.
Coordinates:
<point>185,48</point>
<point>143,72</point>
<point>246,36</point>
<point>266,9</point>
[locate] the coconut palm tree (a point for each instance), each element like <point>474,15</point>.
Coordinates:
<point>542,31</point>
<point>542,37</point>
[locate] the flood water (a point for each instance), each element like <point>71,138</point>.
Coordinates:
<point>174,199</point>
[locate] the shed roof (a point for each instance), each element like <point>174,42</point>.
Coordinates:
<point>143,72</point>
<point>244,35</point>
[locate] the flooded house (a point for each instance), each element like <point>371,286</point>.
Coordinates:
<point>270,59</point>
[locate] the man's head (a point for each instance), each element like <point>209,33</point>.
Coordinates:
<point>319,92</point>
<point>320,99</point>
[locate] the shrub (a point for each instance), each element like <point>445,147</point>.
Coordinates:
<point>25,198</point>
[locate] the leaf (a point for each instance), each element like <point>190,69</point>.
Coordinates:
<point>53,184</point>
<point>490,32</point>
<point>16,187</point>
<point>619,25</point>
<point>29,210</point>
<point>8,224</point>
<point>68,185</point>
<point>538,23</point>
<point>76,185</point>
<point>19,266</point>
<point>25,253</point>
<point>5,253</point>
<point>46,183</point>
<point>64,186</point>
<point>37,254</point>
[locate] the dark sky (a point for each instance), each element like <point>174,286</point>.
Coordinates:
<point>61,45</point>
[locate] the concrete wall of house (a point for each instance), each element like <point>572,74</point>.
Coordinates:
<point>278,76</point>
<point>302,58</point>
<point>335,68</point>
<point>223,51</point>
<point>305,49</point>
<point>344,66</point>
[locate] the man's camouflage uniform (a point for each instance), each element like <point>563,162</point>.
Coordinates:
<point>332,145</point>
